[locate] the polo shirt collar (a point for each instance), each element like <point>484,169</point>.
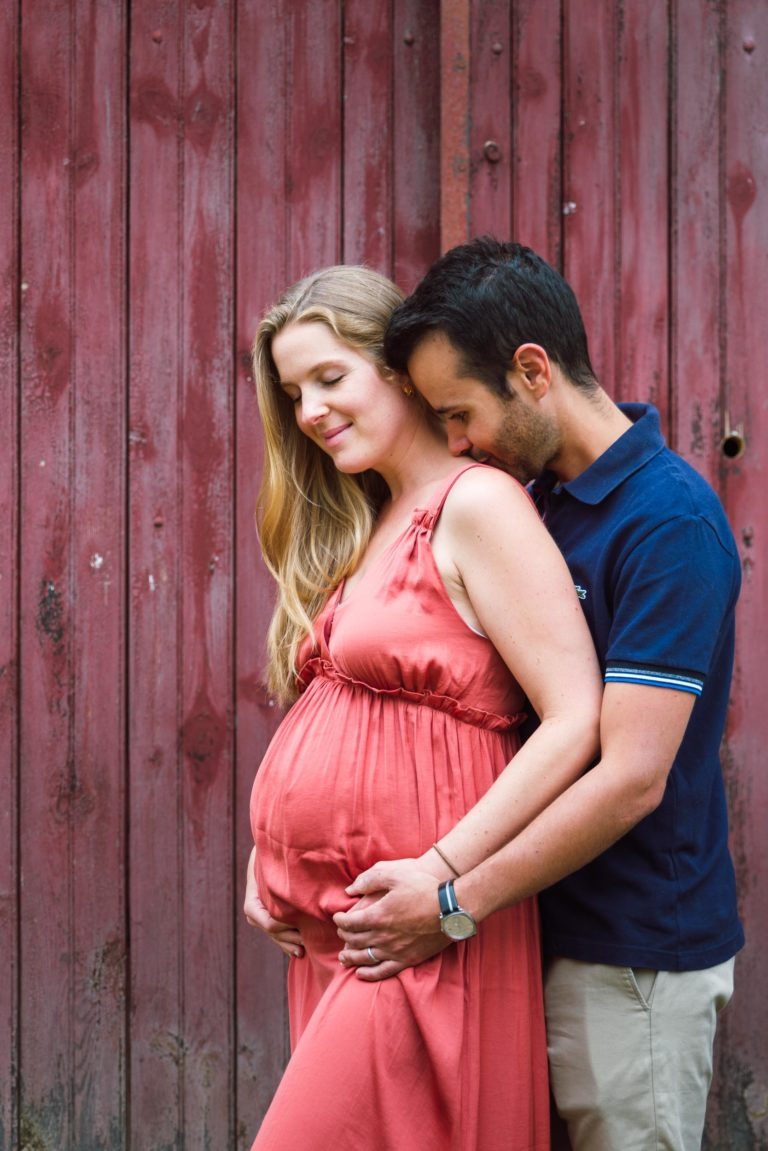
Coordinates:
<point>627,455</point>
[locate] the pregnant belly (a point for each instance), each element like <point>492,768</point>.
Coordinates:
<point>351,773</point>
<point>342,775</point>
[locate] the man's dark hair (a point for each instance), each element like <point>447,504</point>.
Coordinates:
<point>489,297</point>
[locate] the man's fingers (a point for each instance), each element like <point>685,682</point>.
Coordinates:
<point>381,971</point>
<point>367,882</point>
<point>356,922</point>
<point>383,876</point>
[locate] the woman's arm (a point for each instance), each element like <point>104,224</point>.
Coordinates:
<point>499,562</point>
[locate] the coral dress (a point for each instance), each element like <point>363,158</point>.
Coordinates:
<point>405,719</point>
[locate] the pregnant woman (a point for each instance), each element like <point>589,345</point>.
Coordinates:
<point>422,611</point>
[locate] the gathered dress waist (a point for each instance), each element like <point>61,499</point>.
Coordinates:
<point>319,667</point>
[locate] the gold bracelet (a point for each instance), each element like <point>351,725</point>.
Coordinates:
<point>446,861</point>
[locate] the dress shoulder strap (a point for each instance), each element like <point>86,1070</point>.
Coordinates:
<point>442,496</point>
<point>436,505</point>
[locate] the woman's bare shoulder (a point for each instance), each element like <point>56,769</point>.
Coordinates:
<point>485,490</point>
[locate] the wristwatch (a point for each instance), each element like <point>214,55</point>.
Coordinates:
<point>455,922</point>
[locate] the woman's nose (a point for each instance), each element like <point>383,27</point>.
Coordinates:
<point>312,408</point>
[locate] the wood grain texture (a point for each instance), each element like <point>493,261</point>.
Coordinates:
<point>10,289</point>
<point>537,101</point>
<point>368,76</point>
<point>167,169</point>
<point>642,321</point>
<point>98,419</point>
<point>491,140</point>
<point>52,801</point>
<point>155,356</point>
<point>204,491</point>
<point>696,320</point>
<point>455,54</point>
<point>313,137</point>
<point>416,119</point>
<point>261,274</point>
<point>181,551</point>
<point>739,1099</point>
<point>590,166</point>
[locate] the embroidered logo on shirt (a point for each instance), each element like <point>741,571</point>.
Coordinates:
<point>581,592</point>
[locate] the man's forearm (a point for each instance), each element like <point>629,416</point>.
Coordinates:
<point>582,823</point>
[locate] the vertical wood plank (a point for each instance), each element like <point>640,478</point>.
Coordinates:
<point>590,205</point>
<point>50,798</point>
<point>261,275</point>
<point>491,145</point>
<point>206,566</point>
<point>416,112</point>
<point>537,75</point>
<point>696,320</point>
<point>9,579</point>
<point>263,50</point>
<point>313,137</point>
<point>155,780</point>
<point>455,51</point>
<point>368,132</point>
<point>98,423</point>
<point>740,1099</point>
<point>181,489</point>
<point>642,341</point>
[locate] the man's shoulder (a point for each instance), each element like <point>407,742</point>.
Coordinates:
<point>668,488</point>
<point>672,485</point>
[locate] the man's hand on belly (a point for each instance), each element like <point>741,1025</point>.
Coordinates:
<point>396,918</point>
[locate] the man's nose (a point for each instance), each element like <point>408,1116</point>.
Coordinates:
<point>458,443</point>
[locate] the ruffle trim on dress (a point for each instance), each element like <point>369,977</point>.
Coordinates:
<point>320,668</point>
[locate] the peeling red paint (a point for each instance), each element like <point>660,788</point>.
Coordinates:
<point>742,192</point>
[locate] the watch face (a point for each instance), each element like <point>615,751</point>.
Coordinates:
<point>458,925</point>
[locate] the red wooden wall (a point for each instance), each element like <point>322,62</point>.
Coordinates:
<point>166,168</point>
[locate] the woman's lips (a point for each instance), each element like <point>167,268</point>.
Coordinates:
<point>335,432</point>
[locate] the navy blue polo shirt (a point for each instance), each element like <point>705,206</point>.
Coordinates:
<point>658,574</point>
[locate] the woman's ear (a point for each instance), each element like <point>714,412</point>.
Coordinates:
<point>399,380</point>
<point>533,369</point>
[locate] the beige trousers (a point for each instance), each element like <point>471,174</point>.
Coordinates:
<point>630,1052</point>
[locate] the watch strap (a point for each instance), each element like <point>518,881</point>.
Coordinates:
<point>447,898</point>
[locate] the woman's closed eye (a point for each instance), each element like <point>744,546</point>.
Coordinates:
<point>295,396</point>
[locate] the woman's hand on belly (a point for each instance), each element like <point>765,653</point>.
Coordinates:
<point>287,938</point>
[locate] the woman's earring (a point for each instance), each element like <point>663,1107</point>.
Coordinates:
<point>408,389</point>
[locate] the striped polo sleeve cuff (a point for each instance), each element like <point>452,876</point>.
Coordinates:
<point>654,677</point>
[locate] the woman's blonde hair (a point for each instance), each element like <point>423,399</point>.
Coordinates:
<point>314,522</point>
